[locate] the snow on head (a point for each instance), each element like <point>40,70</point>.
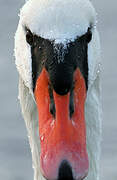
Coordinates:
<point>58,20</point>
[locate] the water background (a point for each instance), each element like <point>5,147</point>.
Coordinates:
<point>15,156</point>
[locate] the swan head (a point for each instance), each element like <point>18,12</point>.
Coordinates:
<point>55,46</point>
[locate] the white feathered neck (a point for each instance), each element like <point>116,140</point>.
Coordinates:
<point>61,20</point>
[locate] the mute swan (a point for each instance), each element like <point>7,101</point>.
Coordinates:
<point>57,52</point>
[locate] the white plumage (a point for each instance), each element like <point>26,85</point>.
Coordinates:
<point>63,21</point>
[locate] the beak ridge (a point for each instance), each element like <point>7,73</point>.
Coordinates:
<point>63,139</point>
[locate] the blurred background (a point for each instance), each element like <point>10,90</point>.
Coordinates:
<point>15,156</point>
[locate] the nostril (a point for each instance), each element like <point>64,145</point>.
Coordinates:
<point>52,104</point>
<point>65,171</point>
<point>71,110</point>
<point>52,108</point>
<point>71,105</point>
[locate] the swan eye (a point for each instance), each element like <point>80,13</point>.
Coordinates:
<point>29,37</point>
<point>88,35</point>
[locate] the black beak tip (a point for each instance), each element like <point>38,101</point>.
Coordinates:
<point>65,171</point>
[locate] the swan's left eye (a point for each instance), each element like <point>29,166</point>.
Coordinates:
<point>29,37</point>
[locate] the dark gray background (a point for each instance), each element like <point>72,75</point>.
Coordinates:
<point>15,157</point>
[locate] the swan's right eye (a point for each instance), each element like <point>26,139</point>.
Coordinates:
<point>29,37</point>
<point>88,35</point>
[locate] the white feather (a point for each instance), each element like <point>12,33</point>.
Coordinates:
<point>63,21</point>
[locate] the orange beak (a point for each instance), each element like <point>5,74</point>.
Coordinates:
<point>62,138</point>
